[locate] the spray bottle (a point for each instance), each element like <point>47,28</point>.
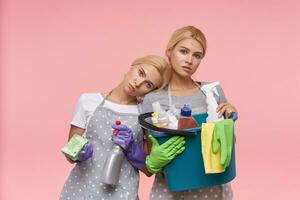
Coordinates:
<point>210,90</point>
<point>112,166</point>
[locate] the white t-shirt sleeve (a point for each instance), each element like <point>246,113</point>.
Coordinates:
<point>87,104</point>
<point>79,118</point>
<point>85,107</point>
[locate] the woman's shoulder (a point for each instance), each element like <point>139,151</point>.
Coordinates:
<point>86,96</point>
<point>207,82</point>
<point>88,99</point>
<point>155,94</point>
<point>86,104</point>
<point>217,83</point>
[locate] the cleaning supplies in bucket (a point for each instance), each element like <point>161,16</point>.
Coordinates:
<point>190,163</point>
<point>216,135</point>
<point>166,119</point>
<point>162,119</point>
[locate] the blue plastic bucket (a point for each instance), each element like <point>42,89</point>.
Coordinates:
<point>187,171</point>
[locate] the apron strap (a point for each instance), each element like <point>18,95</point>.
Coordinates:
<point>104,98</point>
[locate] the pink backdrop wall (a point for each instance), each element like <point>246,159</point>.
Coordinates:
<point>52,51</point>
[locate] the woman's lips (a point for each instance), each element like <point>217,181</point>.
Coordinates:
<point>186,68</point>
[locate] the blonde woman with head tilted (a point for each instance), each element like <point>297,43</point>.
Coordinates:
<point>95,115</point>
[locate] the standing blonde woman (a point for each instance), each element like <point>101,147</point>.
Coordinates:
<point>185,51</point>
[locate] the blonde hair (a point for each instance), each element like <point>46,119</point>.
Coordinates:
<point>160,64</point>
<point>188,32</point>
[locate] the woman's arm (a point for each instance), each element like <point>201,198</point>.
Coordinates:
<point>225,108</point>
<point>146,172</point>
<point>147,151</point>
<point>74,130</point>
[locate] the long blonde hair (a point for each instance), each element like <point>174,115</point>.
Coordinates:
<point>188,32</point>
<point>160,64</point>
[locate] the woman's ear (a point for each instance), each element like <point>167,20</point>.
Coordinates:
<point>168,53</point>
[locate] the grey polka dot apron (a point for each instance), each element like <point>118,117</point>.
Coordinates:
<point>160,191</point>
<point>84,181</point>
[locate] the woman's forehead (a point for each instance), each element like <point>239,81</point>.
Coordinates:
<point>152,73</point>
<point>190,43</point>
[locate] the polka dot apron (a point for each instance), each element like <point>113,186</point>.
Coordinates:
<point>84,181</point>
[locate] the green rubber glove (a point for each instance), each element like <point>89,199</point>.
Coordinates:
<point>161,155</point>
<point>228,126</point>
<point>219,140</point>
<point>223,137</point>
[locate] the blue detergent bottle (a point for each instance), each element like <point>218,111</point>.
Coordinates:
<point>186,120</point>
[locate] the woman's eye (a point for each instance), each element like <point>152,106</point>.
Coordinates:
<point>141,73</point>
<point>197,56</point>
<point>183,51</point>
<point>148,85</point>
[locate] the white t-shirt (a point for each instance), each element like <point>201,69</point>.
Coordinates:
<point>87,104</point>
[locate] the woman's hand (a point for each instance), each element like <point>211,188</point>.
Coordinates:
<point>124,138</point>
<point>132,149</point>
<point>226,109</point>
<point>74,130</point>
<point>161,155</point>
<point>86,152</point>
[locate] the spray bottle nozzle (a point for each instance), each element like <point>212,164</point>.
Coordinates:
<point>115,132</point>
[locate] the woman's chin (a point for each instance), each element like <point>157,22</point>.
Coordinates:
<point>185,74</point>
<point>131,93</point>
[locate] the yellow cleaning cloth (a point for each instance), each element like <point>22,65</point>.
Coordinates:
<point>211,160</point>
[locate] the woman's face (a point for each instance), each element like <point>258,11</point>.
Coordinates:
<point>141,79</point>
<point>185,57</point>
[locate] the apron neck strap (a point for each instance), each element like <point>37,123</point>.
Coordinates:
<point>105,98</point>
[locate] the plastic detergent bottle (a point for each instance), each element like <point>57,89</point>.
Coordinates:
<point>186,120</point>
<point>112,166</point>
<point>162,120</point>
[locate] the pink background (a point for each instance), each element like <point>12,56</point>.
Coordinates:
<point>52,51</point>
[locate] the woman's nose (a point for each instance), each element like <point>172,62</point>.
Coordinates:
<point>138,82</point>
<point>189,59</point>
